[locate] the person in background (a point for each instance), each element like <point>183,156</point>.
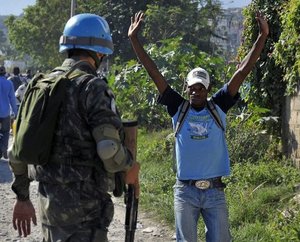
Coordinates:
<point>7,103</point>
<point>28,75</point>
<point>202,157</point>
<point>16,78</point>
<point>19,93</point>
<point>88,147</point>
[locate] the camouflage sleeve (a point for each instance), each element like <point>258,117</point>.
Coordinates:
<point>99,104</point>
<point>101,111</point>
<point>20,187</point>
<point>21,182</point>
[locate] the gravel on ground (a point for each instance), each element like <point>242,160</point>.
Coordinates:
<point>148,230</point>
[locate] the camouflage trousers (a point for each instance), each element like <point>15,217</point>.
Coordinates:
<point>74,212</point>
<point>73,233</point>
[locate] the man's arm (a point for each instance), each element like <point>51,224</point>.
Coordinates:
<point>23,210</point>
<point>144,58</point>
<point>249,61</point>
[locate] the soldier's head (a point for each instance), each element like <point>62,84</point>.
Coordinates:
<point>2,71</point>
<point>89,33</point>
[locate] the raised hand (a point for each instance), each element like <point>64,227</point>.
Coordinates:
<point>262,23</point>
<point>135,24</point>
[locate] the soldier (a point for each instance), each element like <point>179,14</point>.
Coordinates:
<point>88,147</point>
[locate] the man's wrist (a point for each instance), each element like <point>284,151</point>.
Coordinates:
<point>20,187</point>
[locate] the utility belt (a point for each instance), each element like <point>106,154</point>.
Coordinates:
<point>205,183</point>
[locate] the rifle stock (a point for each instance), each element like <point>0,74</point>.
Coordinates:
<point>131,213</point>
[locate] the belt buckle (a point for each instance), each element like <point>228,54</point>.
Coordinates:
<point>202,184</point>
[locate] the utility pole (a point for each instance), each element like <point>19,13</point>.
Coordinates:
<point>73,7</point>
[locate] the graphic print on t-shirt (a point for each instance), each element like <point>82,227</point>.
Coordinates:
<point>199,125</point>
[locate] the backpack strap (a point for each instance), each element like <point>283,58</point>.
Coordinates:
<point>69,70</point>
<point>182,114</point>
<point>211,106</point>
<point>74,67</point>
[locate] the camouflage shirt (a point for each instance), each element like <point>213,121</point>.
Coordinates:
<point>88,103</point>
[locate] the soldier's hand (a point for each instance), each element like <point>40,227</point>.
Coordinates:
<point>132,177</point>
<point>23,214</point>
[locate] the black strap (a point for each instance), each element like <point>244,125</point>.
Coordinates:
<point>182,114</point>
<point>214,113</point>
<point>211,107</point>
<point>73,40</point>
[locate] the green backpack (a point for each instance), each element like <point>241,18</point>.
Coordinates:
<point>38,113</point>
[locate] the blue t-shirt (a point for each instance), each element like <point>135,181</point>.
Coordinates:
<point>7,98</point>
<point>201,150</point>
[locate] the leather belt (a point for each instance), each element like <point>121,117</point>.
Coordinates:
<point>205,183</point>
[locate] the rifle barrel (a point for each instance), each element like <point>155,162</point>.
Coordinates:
<point>131,213</point>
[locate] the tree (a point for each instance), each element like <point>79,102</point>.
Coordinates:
<point>6,49</point>
<point>38,31</point>
<point>266,81</point>
<point>117,14</point>
<point>193,20</point>
<point>287,49</point>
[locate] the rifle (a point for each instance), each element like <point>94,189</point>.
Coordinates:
<point>131,213</point>
<point>130,128</point>
<point>131,205</point>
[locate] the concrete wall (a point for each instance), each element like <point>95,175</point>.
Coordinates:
<point>291,128</point>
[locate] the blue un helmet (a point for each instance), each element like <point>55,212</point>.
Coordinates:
<point>87,31</point>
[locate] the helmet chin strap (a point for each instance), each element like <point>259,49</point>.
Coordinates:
<point>95,58</point>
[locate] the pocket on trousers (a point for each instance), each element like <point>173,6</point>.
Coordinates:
<point>60,204</point>
<point>216,196</point>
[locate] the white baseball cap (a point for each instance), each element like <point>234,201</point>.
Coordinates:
<point>198,75</point>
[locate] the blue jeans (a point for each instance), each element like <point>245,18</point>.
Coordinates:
<point>191,202</point>
<point>4,132</point>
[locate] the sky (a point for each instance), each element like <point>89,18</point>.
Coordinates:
<point>16,7</point>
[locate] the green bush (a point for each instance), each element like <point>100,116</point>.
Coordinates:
<point>157,177</point>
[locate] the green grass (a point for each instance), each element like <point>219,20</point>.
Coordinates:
<point>258,193</point>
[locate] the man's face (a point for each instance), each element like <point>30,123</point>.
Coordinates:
<point>197,94</point>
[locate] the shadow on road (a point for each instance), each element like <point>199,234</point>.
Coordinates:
<point>5,172</point>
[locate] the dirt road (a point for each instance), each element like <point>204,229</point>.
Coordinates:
<point>147,229</point>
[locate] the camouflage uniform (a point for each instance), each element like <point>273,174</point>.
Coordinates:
<point>74,201</point>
